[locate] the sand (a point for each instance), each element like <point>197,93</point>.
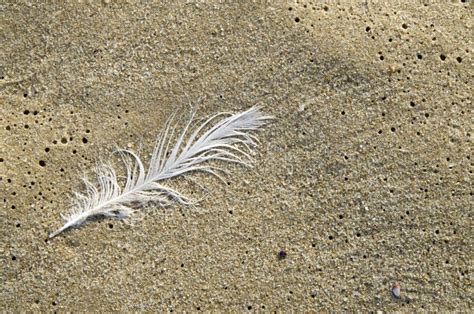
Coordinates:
<point>363,179</point>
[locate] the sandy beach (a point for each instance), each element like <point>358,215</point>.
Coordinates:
<point>361,182</point>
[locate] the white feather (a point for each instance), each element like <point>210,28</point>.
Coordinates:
<point>228,140</point>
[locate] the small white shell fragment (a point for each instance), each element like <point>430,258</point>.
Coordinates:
<point>396,290</point>
<point>301,108</point>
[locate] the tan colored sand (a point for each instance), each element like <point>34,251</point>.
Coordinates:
<point>364,178</point>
